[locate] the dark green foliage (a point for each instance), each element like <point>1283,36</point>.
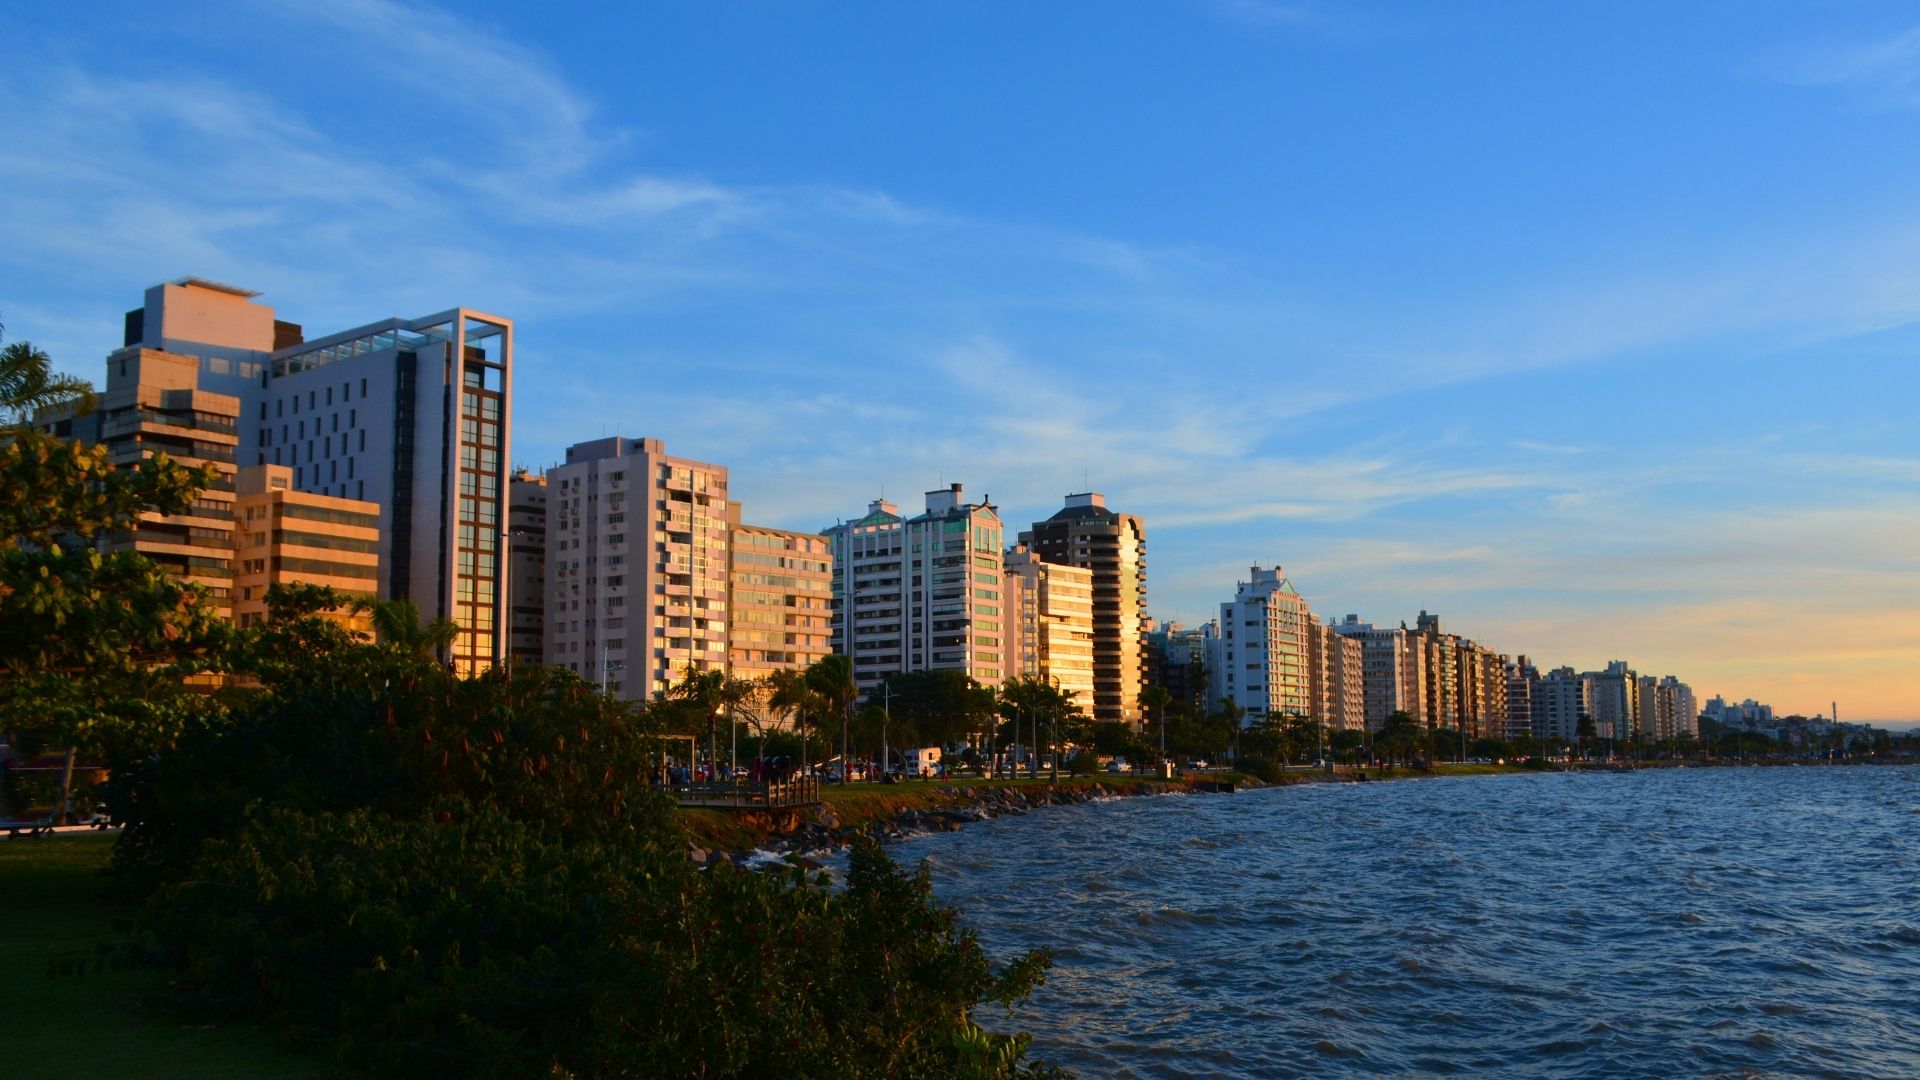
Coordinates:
<point>1261,766</point>
<point>477,946</point>
<point>377,726</point>
<point>424,874</point>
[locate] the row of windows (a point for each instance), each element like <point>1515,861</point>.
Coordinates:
<point>313,400</point>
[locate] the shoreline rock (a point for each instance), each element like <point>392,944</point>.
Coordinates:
<point>799,834</point>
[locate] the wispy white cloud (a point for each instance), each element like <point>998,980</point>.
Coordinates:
<point>1882,72</point>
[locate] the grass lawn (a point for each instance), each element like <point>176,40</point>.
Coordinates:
<point>53,903</point>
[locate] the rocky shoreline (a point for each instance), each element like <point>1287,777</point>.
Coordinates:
<point>800,834</point>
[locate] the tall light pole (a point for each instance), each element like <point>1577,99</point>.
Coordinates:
<point>886,718</point>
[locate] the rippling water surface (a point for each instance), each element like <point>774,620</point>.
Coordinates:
<point>1692,922</point>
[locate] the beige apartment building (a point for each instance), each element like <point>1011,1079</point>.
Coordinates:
<point>286,537</point>
<point>637,544</point>
<point>780,599</point>
<point>1336,666</point>
<point>1113,546</point>
<point>154,404</point>
<point>1052,613</point>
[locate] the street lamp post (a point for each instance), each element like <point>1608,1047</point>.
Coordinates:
<point>886,718</point>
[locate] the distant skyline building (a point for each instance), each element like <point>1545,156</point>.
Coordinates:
<point>923,593</point>
<point>411,415</point>
<point>1085,533</point>
<point>637,556</point>
<point>1748,714</point>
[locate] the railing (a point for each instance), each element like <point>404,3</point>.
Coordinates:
<point>748,794</point>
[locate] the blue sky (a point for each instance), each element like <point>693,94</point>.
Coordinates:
<point>1595,331</point>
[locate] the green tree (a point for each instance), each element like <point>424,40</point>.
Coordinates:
<point>831,677</point>
<point>1401,737</point>
<point>92,643</point>
<point>1049,712</point>
<point>1155,698</point>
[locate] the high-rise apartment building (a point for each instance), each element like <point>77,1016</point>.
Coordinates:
<point>1560,699</point>
<point>1616,700</point>
<point>1336,668</point>
<point>1113,546</point>
<point>1052,606</point>
<point>526,567</point>
<point>1262,661</point>
<point>637,559</point>
<point>408,414</point>
<point>287,537</point>
<point>1177,660</point>
<point>780,599</point>
<point>923,593</point>
<point>1522,677</point>
<point>1677,706</point>
<point>1393,670</point>
<point>1465,683</point>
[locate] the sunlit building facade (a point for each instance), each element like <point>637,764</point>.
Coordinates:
<point>1053,612</point>
<point>284,536</point>
<point>637,544</point>
<point>780,600</point>
<point>410,415</point>
<point>1086,533</point>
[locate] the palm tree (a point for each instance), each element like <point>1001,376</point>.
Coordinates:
<point>789,695</point>
<point>28,384</point>
<point>831,677</point>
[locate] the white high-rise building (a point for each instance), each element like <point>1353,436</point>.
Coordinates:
<point>923,593</point>
<point>637,546</point>
<point>1263,649</point>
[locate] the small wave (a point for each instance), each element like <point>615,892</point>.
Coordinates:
<point>1902,935</point>
<point>1781,1008</point>
<point>1330,1049</point>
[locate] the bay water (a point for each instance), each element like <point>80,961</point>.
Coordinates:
<point>1667,922</point>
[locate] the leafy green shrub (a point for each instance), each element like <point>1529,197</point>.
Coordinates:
<point>361,730</point>
<point>469,943</point>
